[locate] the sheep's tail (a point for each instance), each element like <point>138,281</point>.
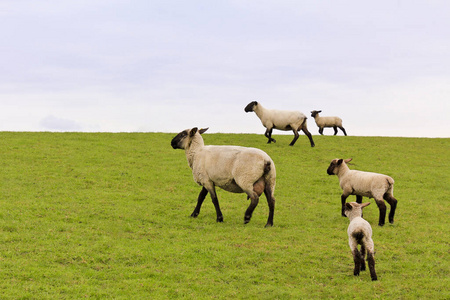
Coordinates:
<point>267,167</point>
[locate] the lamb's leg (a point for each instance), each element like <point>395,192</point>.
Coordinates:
<point>357,260</point>
<point>363,256</point>
<point>335,130</point>
<point>215,201</point>
<point>321,130</point>
<point>308,134</point>
<point>343,198</point>
<point>296,135</point>
<point>343,130</point>
<point>268,135</point>
<point>393,203</point>
<point>254,199</point>
<point>382,209</point>
<point>200,199</point>
<point>268,191</point>
<point>371,262</point>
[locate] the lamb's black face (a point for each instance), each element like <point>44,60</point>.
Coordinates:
<point>177,141</point>
<point>250,106</point>
<point>333,165</point>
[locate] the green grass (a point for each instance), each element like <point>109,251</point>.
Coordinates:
<point>103,215</point>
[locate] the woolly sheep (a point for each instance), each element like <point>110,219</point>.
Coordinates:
<point>280,119</point>
<point>232,168</point>
<point>367,184</point>
<point>360,233</point>
<point>323,122</point>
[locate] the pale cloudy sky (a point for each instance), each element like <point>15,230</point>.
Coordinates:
<point>165,65</point>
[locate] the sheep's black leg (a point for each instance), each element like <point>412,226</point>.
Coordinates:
<point>357,260</point>
<point>201,197</point>
<point>254,199</point>
<point>343,130</point>
<point>215,201</point>
<point>268,135</point>
<point>335,130</point>
<point>271,203</point>
<point>296,135</point>
<point>343,198</point>
<point>371,262</point>
<point>321,130</point>
<point>359,199</point>
<point>382,209</point>
<point>363,256</point>
<point>393,203</point>
<point>308,134</point>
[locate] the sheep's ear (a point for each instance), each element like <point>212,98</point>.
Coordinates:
<point>348,206</point>
<point>201,131</point>
<point>193,131</point>
<point>365,204</point>
<point>348,160</point>
<point>319,111</point>
<point>339,161</point>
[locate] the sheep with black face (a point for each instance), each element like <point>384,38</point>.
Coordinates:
<point>234,169</point>
<point>282,120</point>
<point>367,184</point>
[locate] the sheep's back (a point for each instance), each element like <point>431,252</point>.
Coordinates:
<point>284,119</point>
<point>367,184</point>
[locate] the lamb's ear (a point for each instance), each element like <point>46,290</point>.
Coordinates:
<point>365,204</point>
<point>339,161</point>
<point>348,206</point>
<point>193,131</point>
<point>348,160</point>
<point>319,111</point>
<point>201,131</point>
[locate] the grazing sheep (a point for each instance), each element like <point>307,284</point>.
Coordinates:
<point>323,122</point>
<point>232,168</point>
<point>360,233</point>
<point>367,184</point>
<point>280,119</point>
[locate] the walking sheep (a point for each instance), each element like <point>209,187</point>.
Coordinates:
<point>232,168</point>
<point>323,122</point>
<point>367,184</point>
<point>280,119</point>
<point>360,233</point>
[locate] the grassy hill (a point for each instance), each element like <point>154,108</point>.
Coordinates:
<point>106,215</point>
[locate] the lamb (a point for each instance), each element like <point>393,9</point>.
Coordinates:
<point>367,184</point>
<point>360,233</point>
<point>323,122</point>
<point>281,120</point>
<point>234,169</point>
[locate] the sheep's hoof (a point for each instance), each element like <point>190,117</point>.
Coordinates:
<point>220,219</point>
<point>374,278</point>
<point>380,224</point>
<point>268,225</point>
<point>194,214</point>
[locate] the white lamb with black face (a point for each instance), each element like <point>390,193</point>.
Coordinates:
<point>282,120</point>
<point>360,233</point>
<point>232,168</point>
<point>323,122</point>
<point>365,184</point>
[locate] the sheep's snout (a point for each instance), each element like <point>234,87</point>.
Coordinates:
<point>177,140</point>
<point>330,170</point>
<point>250,106</point>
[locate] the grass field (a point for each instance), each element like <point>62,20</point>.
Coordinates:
<point>106,215</point>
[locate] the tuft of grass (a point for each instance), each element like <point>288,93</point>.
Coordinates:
<point>106,215</point>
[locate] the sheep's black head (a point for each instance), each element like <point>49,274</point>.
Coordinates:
<point>333,169</point>
<point>354,208</point>
<point>314,113</point>
<point>184,138</point>
<point>250,107</point>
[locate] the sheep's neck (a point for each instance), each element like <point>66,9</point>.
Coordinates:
<point>355,214</point>
<point>343,169</point>
<point>196,144</point>
<point>260,111</point>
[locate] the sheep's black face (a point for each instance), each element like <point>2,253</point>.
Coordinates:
<point>333,167</point>
<point>250,106</point>
<point>177,142</point>
<point>314,113</point>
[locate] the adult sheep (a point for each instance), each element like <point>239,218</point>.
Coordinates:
<point>367,184</point>
<point>323,122</point>
<point>280,119</point>
<point>232,168</point>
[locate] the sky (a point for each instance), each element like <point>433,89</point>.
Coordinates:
<point>164,66</point>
